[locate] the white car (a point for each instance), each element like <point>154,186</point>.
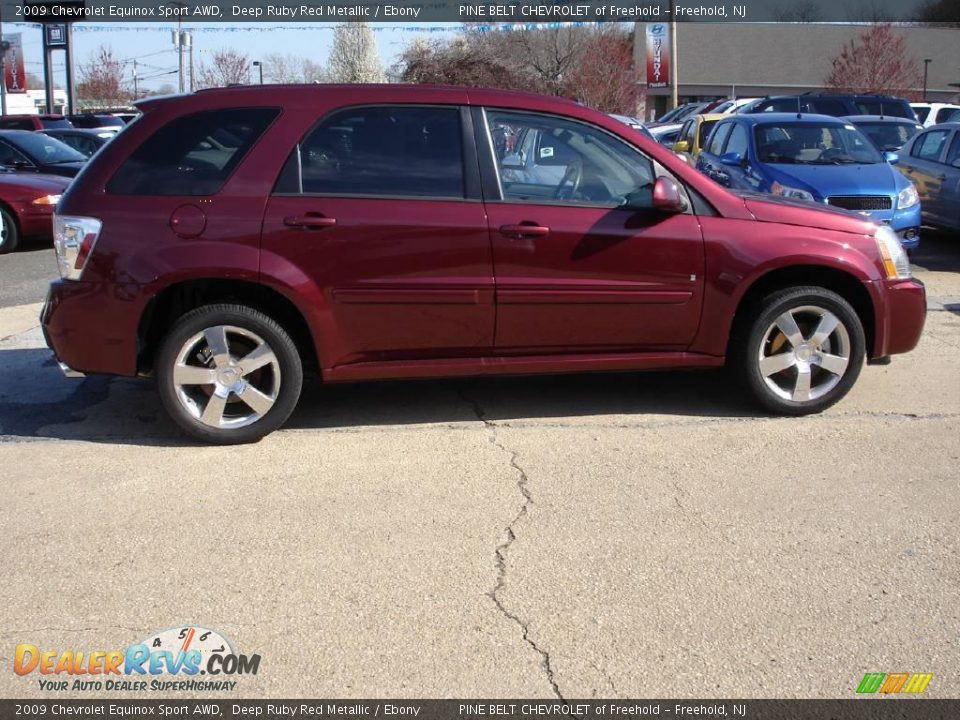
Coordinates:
<point>730,107</point>
<point>933,113</point>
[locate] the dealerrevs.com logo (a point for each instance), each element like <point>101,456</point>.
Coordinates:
<point>169,660</point>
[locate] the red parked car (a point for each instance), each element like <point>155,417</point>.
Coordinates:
<point>232,238</point>
<point>26,206</point>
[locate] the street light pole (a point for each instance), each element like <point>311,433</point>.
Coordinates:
<point>675,75</point>
<point>926,63</point>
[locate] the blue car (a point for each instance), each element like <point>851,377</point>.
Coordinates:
<point>817,158</point>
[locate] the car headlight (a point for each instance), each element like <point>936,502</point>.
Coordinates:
<point>895,261</point>
<point>908,197</point>
<point>790,192</point>
<point>46,200</point>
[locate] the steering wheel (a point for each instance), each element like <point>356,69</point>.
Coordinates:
<point>573,175</point>
<point>833,154</point>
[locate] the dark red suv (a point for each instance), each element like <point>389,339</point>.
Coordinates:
<point>230,239</point>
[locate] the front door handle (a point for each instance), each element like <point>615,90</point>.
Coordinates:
<point>524,230</point>
<point>310,221</point>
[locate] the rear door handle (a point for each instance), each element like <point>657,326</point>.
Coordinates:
<point>310,221</point>
<point>524,230</point>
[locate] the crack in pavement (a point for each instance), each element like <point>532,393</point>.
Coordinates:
<point>500,551</point>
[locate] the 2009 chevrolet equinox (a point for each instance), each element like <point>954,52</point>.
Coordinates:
<point>230,239</point>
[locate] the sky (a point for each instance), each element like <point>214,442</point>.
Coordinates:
<point>152,45</point>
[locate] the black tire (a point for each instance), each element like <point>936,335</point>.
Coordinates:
<point>759,335</point>
<point>182,401</point>
<point>9,232</point>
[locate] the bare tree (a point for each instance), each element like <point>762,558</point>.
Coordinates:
<point>101,81</point>
<point>226,67</point>
<point>289,68</point>
<point>354,57</point>
<point>878,62</point>
<point>611,85</point>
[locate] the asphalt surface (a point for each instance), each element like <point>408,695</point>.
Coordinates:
<point>624,535</point>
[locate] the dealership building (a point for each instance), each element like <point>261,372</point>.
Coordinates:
<point>756,59</point>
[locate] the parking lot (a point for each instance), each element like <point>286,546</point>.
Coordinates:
<point>623,535</point>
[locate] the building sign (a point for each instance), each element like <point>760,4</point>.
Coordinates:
<point>14,75</point>
<point>56,35</point>
<point>658,55</point>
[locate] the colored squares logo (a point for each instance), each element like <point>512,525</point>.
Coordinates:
<point>894,683</point>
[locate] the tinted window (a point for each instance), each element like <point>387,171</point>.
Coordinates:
<point>192,155</point>
<point>885,106</point>
<point>828,106</point>
<point>929,145</point>
<point>719,137</point>
<point>9,156</point>
<point>572,163</point>
<point>18,124</point>
<point>384,151</point>
<point>738,142</point>
<point>943,114</point>
<point>705,127</point>
<point>44,148</point>
<point>888,135</point>
<point>922,113</point>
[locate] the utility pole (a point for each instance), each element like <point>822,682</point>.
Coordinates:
<point>136,90</point>
<point>674,74</point>
<point>180,51</point>
<point>926,64</point>
<point>4,46</point>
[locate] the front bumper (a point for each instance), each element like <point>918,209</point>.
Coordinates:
<point>906,223</point>
<point>902,314</point>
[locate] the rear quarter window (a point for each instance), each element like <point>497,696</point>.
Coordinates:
<point>192,155</point>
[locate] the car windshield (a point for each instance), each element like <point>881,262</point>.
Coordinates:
<point>888,135</point>
<point>45,149</point>
<point>810,143</point>
<point>56,123</point>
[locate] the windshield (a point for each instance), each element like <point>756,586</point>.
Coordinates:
<point>887,135</point>
<point>45,149</point>
<point>810,143</point>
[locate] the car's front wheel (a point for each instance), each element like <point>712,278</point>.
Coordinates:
<point>228,374</point>
<point>9,233</point>
<point>803,351</point>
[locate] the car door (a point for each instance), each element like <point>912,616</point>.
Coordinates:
<point>708,161</point>
<point>950,188</point>
<point>379,207</point>
<point>924,167</point>
<point>736,175</point>
<point>576,270</point>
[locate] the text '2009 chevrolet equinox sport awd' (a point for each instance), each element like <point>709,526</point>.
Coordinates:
<point>231,239</point>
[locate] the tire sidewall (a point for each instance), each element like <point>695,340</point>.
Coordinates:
<point>773,307</point>
<point>9,243</point>
<point>291,371</point>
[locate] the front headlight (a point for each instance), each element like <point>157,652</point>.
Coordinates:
<point>790,192</point>
<point>895,261</point>
<point>46,200</point>
<point>908,197</point>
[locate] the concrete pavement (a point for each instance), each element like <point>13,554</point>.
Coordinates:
<point>644,535</point>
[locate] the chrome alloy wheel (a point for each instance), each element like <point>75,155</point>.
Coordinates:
<point>227,377</point>
<point>804,353</point>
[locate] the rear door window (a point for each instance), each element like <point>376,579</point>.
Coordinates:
<point>943,114</point>
<point>381,151</point>
<point>922,113</point>
<point>829,106</point>
<point>192,155</point>
<point>719,137</point>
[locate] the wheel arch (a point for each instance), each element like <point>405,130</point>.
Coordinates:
<point>843,283</point>
<point>171,303</point>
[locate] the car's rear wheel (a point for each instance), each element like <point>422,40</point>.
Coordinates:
<point>803,351</point>
<point>228,374</point>
<point>9,232</point>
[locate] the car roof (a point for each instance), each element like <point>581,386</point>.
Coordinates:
<point>880,118</point>
<point>16,133</point>
<point>92,132</point>
<point>783,117</point>
<point>951,125</point>
<point>712,116</point>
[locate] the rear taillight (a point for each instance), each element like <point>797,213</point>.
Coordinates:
<point>74,239</point>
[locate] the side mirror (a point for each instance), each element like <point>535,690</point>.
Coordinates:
<point>734,159</point>
<point>681,146</point>
<point>891,157</point>
<point>667,196</point>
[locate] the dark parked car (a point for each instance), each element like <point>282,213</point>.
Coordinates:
<point>85,142</point>
<point>26,207</point>
<point>97,121</point>
<point>35,152</point>
<point>888,134</point>
<point>33,122</point>
<point>835,105</point>
<point>231,239</point>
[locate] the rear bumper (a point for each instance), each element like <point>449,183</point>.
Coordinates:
<point>901,313</point>
<point>90,329</point>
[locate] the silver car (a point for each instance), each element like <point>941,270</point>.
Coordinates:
<point>932,161</point>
